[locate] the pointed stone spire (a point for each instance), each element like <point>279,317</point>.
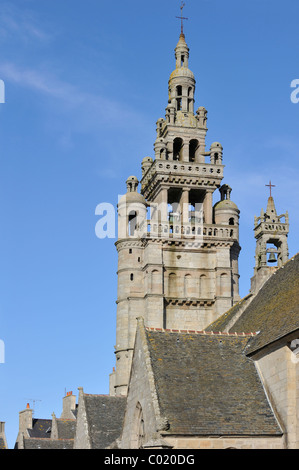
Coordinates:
<point>271,210</point>
<point>182,53</point>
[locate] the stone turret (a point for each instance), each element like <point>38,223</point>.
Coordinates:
<point>271,233</point>
<point>226,212</point>
<point>132,227</point>
<point>181,85</point>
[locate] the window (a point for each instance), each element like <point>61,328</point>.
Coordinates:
<point>179,90</point>
<point>131,276</point>
<point>177,148</point>
<point>132,223</point>
<point>138,428</point>
<point>193,146</point>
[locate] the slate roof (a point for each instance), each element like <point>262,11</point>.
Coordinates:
<point>105,416</point>
<point>207,386</point>
<point>40,434</point>
<point>40,443</point>
<point>66,428</point>
<point>41,428</point>
<point>222,323</point>
<point>274,311</point>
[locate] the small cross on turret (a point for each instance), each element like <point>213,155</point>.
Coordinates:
<point>270,185</point>
<point>182,18</point>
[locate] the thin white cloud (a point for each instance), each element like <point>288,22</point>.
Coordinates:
<point>40,81</point>
<point>69,96</point>
<point>19,24</point>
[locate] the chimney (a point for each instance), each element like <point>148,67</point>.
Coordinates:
<point>25,419</point>
<point>68,406</point>
<point>2,433</point>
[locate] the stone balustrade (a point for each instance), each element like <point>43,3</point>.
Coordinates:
<point>189,230</point>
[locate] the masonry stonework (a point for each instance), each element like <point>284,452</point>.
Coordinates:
<point>177,252</point>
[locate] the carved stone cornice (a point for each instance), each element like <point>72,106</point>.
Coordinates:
<point>164,172</point>
<point>129,243</point>
<point>189,302</point>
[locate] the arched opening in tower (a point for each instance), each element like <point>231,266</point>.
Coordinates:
<point>177,148</point>
<point>193,147</point>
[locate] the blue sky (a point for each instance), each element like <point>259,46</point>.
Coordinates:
<point>85,82</point>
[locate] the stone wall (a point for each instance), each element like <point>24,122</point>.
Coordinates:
<point>225,442</point>
<point>141,400</point>
<point>81,440</point>
<point>280,372</point>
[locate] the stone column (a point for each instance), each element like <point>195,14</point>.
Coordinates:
<point>184,205</point>
<point>199,156</point>
<point>284,250</point>
<point>185,151</point>
<point>208,207</point>
<point>185,100</point>
<point>162,205</point>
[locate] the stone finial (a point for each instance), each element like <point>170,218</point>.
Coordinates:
<point>132,184</point>
<point>201,116</point>
<point>225,191</point>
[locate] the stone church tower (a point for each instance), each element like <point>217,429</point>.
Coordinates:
<point>177,252</point>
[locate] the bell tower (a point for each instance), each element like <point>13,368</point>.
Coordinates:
<point>177,249</point>
<point>271,233</point>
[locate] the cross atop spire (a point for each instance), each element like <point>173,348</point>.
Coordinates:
<point>182,18</point>
<point>270,185</point>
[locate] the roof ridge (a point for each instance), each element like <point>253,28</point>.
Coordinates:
<point>51,439</point>
<point>202,332</point>
<point>66,419</point>
<point>102,395</point>
<point>97,394</point>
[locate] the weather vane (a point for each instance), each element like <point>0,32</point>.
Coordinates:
<point>270,185</point>
<point>182,18</point>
